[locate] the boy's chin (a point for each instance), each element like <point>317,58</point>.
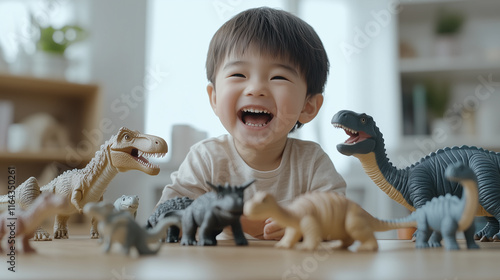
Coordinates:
<point>258,139</point>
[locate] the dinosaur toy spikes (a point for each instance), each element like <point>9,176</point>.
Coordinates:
<point>123,152</point>
<point>220,189</point>
<point>417,184</point>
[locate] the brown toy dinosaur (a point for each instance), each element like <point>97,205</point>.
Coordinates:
<point>124,151</point>
<point>22,224</point>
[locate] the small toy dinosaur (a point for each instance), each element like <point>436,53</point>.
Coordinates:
<point>128,203</point>
<point>124,151</point>
<point>23,223</point>
<point>414,185</point>
<point>212,212</point>
<point>169,208</point>
<point>319,216</point>
<point>119,226</point>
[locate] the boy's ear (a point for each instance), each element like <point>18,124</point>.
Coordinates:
<point>311,108</point>
<point>211,96</point>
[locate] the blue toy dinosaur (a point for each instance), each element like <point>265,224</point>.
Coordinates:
<point>417,184</point>
<point>448,214</point>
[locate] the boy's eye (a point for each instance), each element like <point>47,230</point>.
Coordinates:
<point>279,78</point>
<point>238,75</point>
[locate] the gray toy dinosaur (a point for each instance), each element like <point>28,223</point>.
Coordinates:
<point>169,208</point>
<point>448,214</point>
<point>212,212</point>
<point>120,226</point>
<point>414,185</point>
<point>128,203</point>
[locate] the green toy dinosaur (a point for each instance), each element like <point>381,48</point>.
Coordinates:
<point>124,151</point>
<point>417,184</point>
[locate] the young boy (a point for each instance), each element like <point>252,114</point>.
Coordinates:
<point>267,70</point>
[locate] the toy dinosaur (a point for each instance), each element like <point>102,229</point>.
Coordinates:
<point>414,185</point>
<point>128,203</point>
<point>120,227</point>
<point>169,208</point>
<point>124,151</point>
<point>318,216</point>
<point>19,223</point>
<point>212,212</point>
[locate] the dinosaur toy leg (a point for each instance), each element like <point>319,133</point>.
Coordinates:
<point>469,237</point>
<point>188,233</point>
<point>41,235</point>
<point>61,227</point>
<point>311,231</point>
<point>448,230</point>
<point>488,181</point>
<point>239,236</point>
<point>206,234</point>
<point>492,227</point>
<point>94,233</point>
<point>423,234</point>
<point>292,236</point>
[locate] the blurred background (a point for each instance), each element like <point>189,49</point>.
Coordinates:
<point>73,72</point>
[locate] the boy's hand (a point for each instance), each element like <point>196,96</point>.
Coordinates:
<point>272,231</point>
<point>252,227</point>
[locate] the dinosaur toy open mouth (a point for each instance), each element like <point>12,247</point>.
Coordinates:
<point>354,136</point>
<point>140,157</point>
<point>255,117</point>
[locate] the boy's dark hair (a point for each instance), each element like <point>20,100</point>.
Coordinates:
<point>276,33</point>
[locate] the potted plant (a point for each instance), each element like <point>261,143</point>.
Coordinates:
<point>448,26</point>
<point>51,45</point>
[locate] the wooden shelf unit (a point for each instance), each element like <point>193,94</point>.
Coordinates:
<point>74,106</point>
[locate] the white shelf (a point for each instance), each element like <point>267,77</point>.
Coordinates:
<point>470,64</point>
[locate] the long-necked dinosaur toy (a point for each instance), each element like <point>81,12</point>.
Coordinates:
<point>123,152</point>
<point>414,185</point>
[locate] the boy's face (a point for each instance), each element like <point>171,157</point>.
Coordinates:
<point>259,98</point>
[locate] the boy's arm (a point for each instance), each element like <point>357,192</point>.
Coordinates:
<point>189,180</point>
<point>325,176</point>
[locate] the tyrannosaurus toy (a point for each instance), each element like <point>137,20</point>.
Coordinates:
<point>122,152</point>
<point>414,185</point>
<point>318,216</point>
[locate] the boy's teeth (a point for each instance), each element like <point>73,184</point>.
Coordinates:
<point>257,111</point>
<point>254,124</point>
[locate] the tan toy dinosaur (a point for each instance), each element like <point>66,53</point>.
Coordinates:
<point>22,224</point>
<point>319,216</point>
<point>124,151</point>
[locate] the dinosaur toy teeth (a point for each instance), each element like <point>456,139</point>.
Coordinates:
<point>354,136</point>
<point>141,157</point>
<point>255,117</point>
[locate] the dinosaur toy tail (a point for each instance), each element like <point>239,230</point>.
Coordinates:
<point>385,225</point>
<point>30,190</point>
<point>160,230</point>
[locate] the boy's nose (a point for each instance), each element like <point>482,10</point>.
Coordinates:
<point>256,89</point>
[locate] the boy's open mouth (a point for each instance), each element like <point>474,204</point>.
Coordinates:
<point>255,117</point>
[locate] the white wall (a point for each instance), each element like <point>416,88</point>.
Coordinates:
<point>117,65</point>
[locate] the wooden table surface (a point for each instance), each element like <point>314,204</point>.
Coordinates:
<point>81,258</point>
